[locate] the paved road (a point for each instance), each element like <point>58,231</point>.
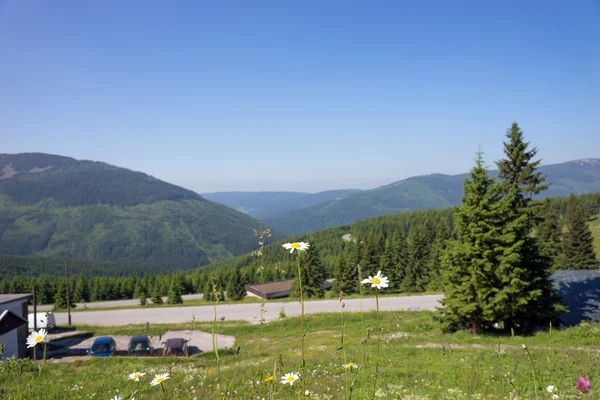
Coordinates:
<point>115,303</point>
<point>245,312</point>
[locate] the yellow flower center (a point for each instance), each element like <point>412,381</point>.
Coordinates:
<point>290,379</point>
<point>159,380</point>
<point>136,376</point>
<point>376,281</point>
<point>38,338</point>
<point>269,379</point>
<point>296,245</point>
<point>351,364</point>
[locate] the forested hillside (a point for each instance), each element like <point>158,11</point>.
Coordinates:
<point>59,207</point>
<point>421,193</point>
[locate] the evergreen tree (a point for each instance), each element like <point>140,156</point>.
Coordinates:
<point>313,274</point>
<point>525,296</point>
<point>60,297</point>
<point>388,263</point>
<point>81,292</point>
<point>549,235</point>
<point>346,275</point>
<point>156,294</point>
<point>174,296</point>
<point>236,289</point>
<point>470,261</point>
<point>421,239</point>
<point>142,297</point>
<point>578,243</point>
<point>435,279</point>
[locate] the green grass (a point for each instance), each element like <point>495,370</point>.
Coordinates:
<point>475,367</point>
<point>595,228</point>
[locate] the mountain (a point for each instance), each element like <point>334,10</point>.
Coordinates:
<point>59,207</point>
<point>267,204</point>
<point>423,192</point>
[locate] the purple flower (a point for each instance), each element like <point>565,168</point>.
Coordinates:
<point>583,385</point>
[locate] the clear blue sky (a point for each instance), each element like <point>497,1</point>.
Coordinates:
<point>297,95</point>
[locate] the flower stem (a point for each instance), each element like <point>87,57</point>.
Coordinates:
<point>215,347</point>
<point>302,320</point>
<point>378,343</point>
<point>164,391</point>
<point>534,372</point>
<point>139,389</point>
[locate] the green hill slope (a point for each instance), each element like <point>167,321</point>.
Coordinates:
<point>267,204</point>
<point>59,207</point>
<point>421,193</point>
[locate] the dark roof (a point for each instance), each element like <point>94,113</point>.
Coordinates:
<point>175,342</point>
<point>580,292</point>
<point>274,286</point>
<point>9,298</point>
<point>10,321</point>
<point>139,338</point>
<point>103,340</point>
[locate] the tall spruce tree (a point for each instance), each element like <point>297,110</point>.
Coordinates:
<point>175,290</point>
<point>549,235</point>
<point>470,261</point>
<point>525,296</point>
<point>60,297</point>
<point>578,243</point>
<point>313,274</point>
<point>236,290</point>
<point>156,295</point>
<point>346,274</point>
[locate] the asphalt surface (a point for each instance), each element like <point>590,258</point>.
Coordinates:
<point>115,303</point>
<point>243,312</point>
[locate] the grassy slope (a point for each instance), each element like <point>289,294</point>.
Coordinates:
<point>497,367</point>
<point>595,227</point>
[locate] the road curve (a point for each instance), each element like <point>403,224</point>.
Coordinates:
<point>243,312</point>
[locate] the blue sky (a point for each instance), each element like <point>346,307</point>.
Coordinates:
<point>297,95</point>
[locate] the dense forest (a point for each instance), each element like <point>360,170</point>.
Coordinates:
<point>408,247</point>
<point>58,207</point>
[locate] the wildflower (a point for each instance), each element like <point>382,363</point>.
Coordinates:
<point>524,347</point>
<point>583,385</point>
<point>351,365</point>
<point>307,393</point>
<point>554,397</point>
<point>159,378</point>
<point>378,281</point>
<point>117,398</point>
<point>296,246</point>
<point>135,376</point>
<point>269,379</point>
<point>289,378</point>
<point>551,388</point>
<point>36,337</point>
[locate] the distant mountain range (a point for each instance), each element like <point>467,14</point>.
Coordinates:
<point>417,193</point>
<point>56,206</point>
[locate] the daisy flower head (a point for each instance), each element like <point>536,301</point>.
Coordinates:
<point>117,397</point>
<point>300,246</point>
<point>269,379</point>
<point>554,397</point>
<point>350,365</point>
<point>159,379</point>
<point>551,388</point>
<point>378,281</point>
<point>36,337</point>
<point>135,376</point>
<point>290,378</point>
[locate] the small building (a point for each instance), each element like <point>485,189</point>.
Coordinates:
<point>276,289</point>
<point>13,324</point>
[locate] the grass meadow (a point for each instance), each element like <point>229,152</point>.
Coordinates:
<point>417,362</point>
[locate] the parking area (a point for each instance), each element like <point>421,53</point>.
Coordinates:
<point>75,343</point>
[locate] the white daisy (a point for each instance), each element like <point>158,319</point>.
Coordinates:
<point>350,365</point>
<point>136,376</point>
<point>36,337</point>
<point>554,397</point>
<point>551,388</point>
<point>296,246</point>
<point>117,398</point>
<point>378,281</point>
<point>289,378</point>
<point>158,379</point>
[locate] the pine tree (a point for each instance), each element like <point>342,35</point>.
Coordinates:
<point>525,295</point>
<point>81,293</point>
<point>156,294</point>
<point>346,275</point>
<point>438,249</point>
<point>388,263</point>
<point>421,239</point>
<point>175,289</point>
<point>313,274</point>
<point>236,289</point>
<point>470,261</point>
<point>142,296</point>
<point>578,243</point>
<point>60,297</point>
<point>549,235</point>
